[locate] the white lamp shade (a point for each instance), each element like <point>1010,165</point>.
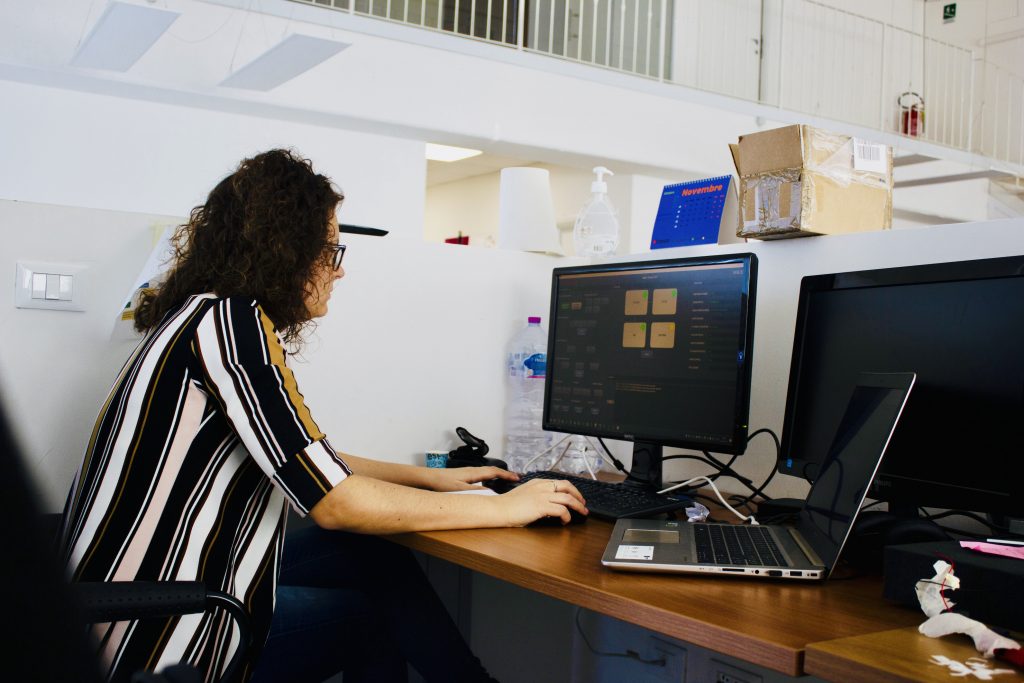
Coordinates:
<point>526,219</point>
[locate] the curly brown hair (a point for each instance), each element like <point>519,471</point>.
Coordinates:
<point>262,233</point>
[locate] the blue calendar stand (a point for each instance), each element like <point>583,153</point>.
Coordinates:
<point>698,212</point>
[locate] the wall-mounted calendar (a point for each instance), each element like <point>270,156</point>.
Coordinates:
<point>698,212</point>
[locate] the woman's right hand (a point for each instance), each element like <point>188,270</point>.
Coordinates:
<point>542,498</point>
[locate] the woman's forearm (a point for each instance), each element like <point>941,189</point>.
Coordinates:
<point>368,505</point>
<point>406,475</point>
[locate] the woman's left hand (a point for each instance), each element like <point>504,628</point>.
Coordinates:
<point>464,478</point>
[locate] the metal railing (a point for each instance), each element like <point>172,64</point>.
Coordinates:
<point>805,56</point>
<point>627,35</point>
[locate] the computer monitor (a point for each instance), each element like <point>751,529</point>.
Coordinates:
<point>653,352</point>
<point>960,327</point>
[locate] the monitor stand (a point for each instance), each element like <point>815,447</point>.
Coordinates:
<point>646,470</point>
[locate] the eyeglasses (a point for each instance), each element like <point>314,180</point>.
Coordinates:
<point>339,254</point>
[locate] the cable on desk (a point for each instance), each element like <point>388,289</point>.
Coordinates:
<point>615,461</point>
<point>547,450</point>
<point>723,469</point>
<point>743,503</point>
<point>628,654</point>
<point>688,482</point>
<point>759,491</point>
<point>963,513</point>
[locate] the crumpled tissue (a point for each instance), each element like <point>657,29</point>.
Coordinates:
<point>929,591</point>
<point>985,640</point>
<point>942,623</point>
<point>697,513</point>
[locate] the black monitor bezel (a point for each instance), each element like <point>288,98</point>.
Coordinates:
<point>738,442</point>
<point>895,489</point>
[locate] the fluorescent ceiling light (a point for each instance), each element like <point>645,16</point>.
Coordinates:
<point>449,153</point>
<point>122,35</point>
<point>294,55</point>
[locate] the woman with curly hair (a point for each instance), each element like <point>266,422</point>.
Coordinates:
<point>205,439</point>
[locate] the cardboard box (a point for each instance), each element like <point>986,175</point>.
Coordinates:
<point>798,181</point>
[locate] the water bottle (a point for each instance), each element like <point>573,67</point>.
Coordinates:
<point>526,364</point>
<point>580,458</point>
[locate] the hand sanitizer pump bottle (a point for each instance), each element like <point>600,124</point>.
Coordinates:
<point>596,232</point>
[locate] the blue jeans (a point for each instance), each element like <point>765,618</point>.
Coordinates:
<point>362,605</point>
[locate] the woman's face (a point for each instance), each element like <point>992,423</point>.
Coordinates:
<point>319,291</point>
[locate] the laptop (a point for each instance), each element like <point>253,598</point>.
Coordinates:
<point>806,550</point>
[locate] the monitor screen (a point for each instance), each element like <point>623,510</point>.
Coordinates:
<point>657,352</point>
<point>959,326</point>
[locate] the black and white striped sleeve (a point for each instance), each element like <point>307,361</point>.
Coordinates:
<point>244,367</point>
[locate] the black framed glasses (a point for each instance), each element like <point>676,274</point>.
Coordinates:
<point>339,254</point>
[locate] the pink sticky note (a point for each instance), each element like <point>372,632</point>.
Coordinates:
<point>995,549</point>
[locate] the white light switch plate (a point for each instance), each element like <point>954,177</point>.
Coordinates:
<point>68,281</point>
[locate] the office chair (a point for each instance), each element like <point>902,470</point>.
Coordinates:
<point>103,601</point>
<point>48,615</point>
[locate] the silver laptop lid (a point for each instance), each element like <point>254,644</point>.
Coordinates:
<point>856,452</point>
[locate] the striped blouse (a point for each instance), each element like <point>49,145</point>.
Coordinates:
<point>200,445</point>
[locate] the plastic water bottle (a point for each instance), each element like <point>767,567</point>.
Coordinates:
<point>578,457</point>
<point>526,365</point>
<point>596,232</point>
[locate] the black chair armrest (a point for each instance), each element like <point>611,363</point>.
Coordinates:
<point>103,601</point>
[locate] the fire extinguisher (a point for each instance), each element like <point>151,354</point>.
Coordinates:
<point>911,110</point>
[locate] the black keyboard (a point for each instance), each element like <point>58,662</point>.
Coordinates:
<point>615,501</point>
<point>733,544</point>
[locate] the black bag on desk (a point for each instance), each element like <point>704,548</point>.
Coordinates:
<point>991,587</point>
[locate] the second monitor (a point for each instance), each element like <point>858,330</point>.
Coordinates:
<point>653,352</point>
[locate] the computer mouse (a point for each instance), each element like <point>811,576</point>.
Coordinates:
<point>574,518</point>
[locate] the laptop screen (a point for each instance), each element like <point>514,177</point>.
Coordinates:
<point>852,460</point>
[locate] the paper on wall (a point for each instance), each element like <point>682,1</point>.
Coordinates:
<point>156,265</point>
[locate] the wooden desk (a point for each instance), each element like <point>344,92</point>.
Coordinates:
<point>769,623</point>
<point>893,656</point>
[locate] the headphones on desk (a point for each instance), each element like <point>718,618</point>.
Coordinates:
<point>472,453</point>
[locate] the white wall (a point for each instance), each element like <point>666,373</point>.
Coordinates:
<point>80,149</point>
<point>413,346</point>
<point>125,159</point>
<point>56,366</point>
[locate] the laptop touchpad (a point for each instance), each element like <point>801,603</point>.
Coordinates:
<point>650,536</point>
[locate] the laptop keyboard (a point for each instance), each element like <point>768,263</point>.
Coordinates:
<point>737,545</point>
<point>616,501</point>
